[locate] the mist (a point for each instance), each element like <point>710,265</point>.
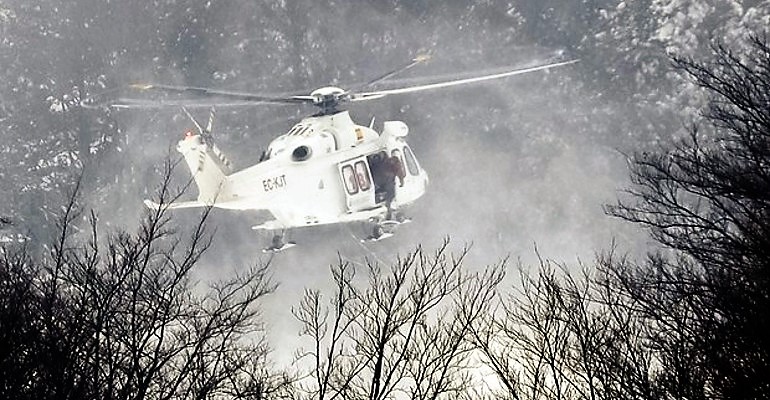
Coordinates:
<point>518,167</point>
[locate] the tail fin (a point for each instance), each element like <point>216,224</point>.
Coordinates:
<point>208,166</point>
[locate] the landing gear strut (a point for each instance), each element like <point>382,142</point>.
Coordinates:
<point>384,228</point>
<point>378,233</point>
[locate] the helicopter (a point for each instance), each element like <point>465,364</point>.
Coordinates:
<point>326,169</point>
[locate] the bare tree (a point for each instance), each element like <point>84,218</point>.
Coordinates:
<point>118,316</point>
<point>707,199</point>
<point>19,334</point>
<point>404,332</point>
<point>566,335</point>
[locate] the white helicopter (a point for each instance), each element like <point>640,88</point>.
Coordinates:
<point>325,170</point>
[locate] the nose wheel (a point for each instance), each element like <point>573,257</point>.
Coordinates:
<point>384,228</point>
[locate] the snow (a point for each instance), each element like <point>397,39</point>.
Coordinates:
<point>526,160</point>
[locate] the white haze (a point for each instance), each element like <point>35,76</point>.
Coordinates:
<point>522,162</point>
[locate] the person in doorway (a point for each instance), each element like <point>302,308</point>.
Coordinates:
<point>376,166</point>
<point>391,168</point>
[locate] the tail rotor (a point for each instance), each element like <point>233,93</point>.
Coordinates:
<point>208,138</point>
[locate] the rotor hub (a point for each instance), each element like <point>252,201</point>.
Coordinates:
<point>329,97</point>
<point>328,91</point>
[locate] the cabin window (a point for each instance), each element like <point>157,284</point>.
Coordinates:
<point>411,162</point>
<point>351,182</point>
<point>363,176</point>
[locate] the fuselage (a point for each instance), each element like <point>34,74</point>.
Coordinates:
<point>320,172</point>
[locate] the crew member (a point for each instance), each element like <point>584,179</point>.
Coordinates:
<point>391,168</point>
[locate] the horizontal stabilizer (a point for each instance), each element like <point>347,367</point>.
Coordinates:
<point>182,204</point>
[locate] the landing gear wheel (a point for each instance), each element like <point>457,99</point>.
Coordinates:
<point>395,218</point>
<point>378,233</point>
<point>278,244</point>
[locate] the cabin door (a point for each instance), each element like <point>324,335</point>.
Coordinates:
<point>357,184</point>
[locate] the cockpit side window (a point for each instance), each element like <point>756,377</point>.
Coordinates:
<point>411,162</point>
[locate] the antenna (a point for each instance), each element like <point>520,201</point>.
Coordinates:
<point>210,124</point>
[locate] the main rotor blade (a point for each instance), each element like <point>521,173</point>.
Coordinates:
<point>417,60</point>
<point>143,104</point>
<point>438,85</point>
<point>206,92</point>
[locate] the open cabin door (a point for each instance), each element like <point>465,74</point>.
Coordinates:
<point>357,184</point>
